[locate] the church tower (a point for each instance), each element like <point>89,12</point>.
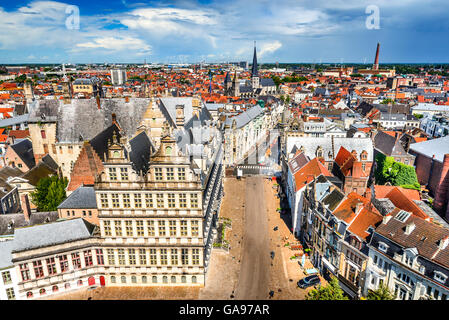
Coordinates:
<point>254,71</point>
<point>235,86</point>
<point>228,83</point>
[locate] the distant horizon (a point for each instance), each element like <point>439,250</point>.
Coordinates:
<point>195,63</point>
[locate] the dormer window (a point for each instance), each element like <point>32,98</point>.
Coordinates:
<point>364,155</point>
<point>440,277</point>
<point>383,246</point>
<point>409,259</point>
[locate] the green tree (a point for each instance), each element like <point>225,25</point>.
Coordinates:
<point>49,193</point>
<point>331,291</point>
<point>396,173</point>
<point>21,78</point>
<point>387,101</point>
<point>382,293</point>
<point>277,81</point>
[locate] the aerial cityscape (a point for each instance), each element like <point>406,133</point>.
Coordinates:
<point>169,151</point>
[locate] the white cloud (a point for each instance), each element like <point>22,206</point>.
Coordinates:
<point>268,48</point>
<point>118,44</point>
<point>169,20</point>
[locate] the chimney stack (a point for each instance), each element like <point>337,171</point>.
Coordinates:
<point>25,203</point>
<point>376,60</point>
<point>443,186</point>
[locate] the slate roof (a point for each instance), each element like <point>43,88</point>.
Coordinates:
<point>17,220</point>
<point>42,170</point>
<point>388,144</point>
<point>247,116</point>
<point>333,199</point>
<point>141,149</point>
<point>100,142</point>
<point>51,234</point>
<point>81,198</point>
<point>82,120</point>
<point>24,150</point>
<point>393,117</point>
<point>168,107</point>
<point>438,147</point>
<point>364,108</point>
<point>267,82</point>
<point>14,120</point>
<point>5,254</point>
<point>311,144</point>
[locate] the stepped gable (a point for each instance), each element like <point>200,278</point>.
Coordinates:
<point>87,166</point>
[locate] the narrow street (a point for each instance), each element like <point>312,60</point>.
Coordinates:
<point>255,267</point>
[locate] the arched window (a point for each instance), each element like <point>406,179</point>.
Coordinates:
<point>168,151</point>
<point>183,279</point>
<point>80,282</point>
<point>319,152</point>
<point>42,291</point>
<point>29,294</point>
<point>193,279</point>
<point>165,279</point>
<point>123,279</point>
<point>144,279</point>
<point>173,279</point>
<point>113,280</point>
<point>133,279</point>
<point>67,285</point>
<point>154,279</point>
<point>54,288</point>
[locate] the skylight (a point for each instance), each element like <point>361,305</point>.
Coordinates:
<point>402,216</point>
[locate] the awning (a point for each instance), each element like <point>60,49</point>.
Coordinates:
<point>328,265</point>
<point>348,290</point>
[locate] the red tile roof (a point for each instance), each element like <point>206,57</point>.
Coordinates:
<point>307,173</point>
<point>382,192</point>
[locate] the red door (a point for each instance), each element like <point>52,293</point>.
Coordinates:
<point>102,282</point>
<point>91,281</point>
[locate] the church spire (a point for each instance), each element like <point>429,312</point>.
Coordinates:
<point>254,71</point>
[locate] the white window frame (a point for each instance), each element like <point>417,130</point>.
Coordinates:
<point>439,276</point>
<point>382,246</point>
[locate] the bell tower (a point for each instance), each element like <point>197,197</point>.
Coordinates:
<point>254,70</point>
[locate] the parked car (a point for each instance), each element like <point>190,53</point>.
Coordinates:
<point>309,281</point>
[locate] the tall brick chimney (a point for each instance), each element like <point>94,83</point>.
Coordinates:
<point>376,60</point>
<point>98,102</point>
<point>25,203</point>
<point>443,186</point>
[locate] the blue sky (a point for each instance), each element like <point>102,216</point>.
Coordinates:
<point>223,30</point>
